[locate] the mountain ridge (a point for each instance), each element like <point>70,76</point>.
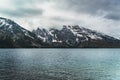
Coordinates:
<point>12,35</point>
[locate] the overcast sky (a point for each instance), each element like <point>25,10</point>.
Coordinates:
<point>100,15</point>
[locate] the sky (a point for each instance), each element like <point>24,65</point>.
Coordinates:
<point>99,15</point>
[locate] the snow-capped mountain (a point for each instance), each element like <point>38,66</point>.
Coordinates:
<point>13,35</point>
<point>75,36</point>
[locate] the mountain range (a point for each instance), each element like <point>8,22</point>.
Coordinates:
<point>13,35</point>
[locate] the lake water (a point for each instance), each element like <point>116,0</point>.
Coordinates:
<point>59,64</point>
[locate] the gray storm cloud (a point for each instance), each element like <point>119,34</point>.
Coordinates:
<point>94,7</point>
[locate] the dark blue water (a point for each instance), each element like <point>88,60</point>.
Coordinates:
<point>59,64</point>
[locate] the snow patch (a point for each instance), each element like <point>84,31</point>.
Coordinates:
<point>92,36</point>
<point>79,35</point>
<point>56,41</point>
<point>43,38</point>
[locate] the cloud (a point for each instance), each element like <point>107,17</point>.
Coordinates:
<point>20,8</point>
<point>100,15</point>
<point>22,12</point>
<point>113,16</point>
<point>94,7</point>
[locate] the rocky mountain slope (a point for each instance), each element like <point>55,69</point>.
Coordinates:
<point>14,36</point>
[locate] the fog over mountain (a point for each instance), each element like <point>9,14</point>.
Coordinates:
<point>100,15</point>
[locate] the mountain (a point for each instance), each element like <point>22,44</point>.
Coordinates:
<point>76,37</point>
<point>14,36</point>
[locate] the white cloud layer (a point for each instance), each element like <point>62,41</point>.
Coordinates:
<point>100,15</point>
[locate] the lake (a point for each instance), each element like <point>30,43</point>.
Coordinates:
<point>59,64</point>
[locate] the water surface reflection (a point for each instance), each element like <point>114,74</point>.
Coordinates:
<point>59,64</point>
